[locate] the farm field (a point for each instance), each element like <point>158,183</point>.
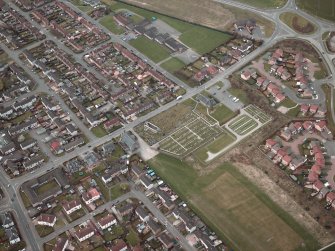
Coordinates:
<point>297,23</point>
<point>324,9</point>
<point>152,50</point>
<point>265,3</point>
<point>224,140</point>
<point>242,124</point>
<point>111,25</point>
<point>235,208</point>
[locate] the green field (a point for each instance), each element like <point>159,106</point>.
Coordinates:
<point>99,131</point>
<point>222,113</point>
<point>242,124</point>
<point>172,65</point>
<point>111,25</point>
<point>265,3</point>
<point>237,210</point>
<point>301,23</point>
<point>288,103</point>
<point>199,38</point>
<point>324,9</point>
<point>224,140</point>
<point>81,5</point>
<point>151,49</point>
<point>46,187</point>
<point>239,93</point>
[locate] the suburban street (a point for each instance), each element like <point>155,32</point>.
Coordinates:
<point>11,186</point>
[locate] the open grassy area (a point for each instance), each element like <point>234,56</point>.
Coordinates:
<point>240,213</point>
<point>330,121</point>
<point>288,103</point>
<point>99,131</point>
<point>43,230</point>
<point>118,190</point>
<point>22,118</point>
<point>172,65</point>
<point>222,113</point>
<point>241,94</point>
<point>324,9</point>
<point>224,140</point>
<point>265,3</point>
<point>151,49</point>
<point>111,25</point>
<point>297,23</point>
<point>46,187</point>
<point>25,199</point>
<point>132,238</point>
<point>81,5</point>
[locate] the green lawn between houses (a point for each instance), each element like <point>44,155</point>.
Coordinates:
<point>240,213</point>
<point>172,65</point>
<point>111,25</point>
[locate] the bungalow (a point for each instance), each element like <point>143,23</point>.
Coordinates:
<point>322,111</point>
<point>260,81</point>
<point>298,126</point>
<point>141,213</point>
<point>119,245</point>
<point>312,177</point>
<point>285,134</point>
<point>46,220</point>
<point>321,125</point>
<point>146,182</point>
<point>318,185</point>
<point>269,143</point>
<point>126,209</point>
<point>189,225</point>
<point>107,221</point>
<point>61,244</point>
<point>6,220</point>
<point>297,162</point>
<point>71,206</point>
<point>245,75</point>
<point>275,148</point>
<point>12,235</point>
<point>286,160</point>
<point>166,241</point>
<point>91,196</point>
<point>307,125</point>
<point>313,109</point>
<point>85,233</point>
<point>304,109</point>
<point>153,226</point>
<point>316,169</point>
<point>279,98</point>
<point>330,197</point>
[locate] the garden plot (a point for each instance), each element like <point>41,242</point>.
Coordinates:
<point>243,124</point>
<point>258,114</point>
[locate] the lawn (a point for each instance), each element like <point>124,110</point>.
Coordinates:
<point>118,190</point>
<point>222,113</point>
<point>151,49</point>
<point>25,200</point>
<point>172,65</point>
<point>241,214</point>
<point>294,112</point>
<point>110,24</point>
<point>99,131</point>
<point>265,3</point>
<point>22,118</point>
<point>116,232</point>
<point>81,5</point>
<point>288,103</point>
<point>46,187</point>
<point>324,9</point>
<point>297,23</point>
<point>224,140</point>
<point>43,230</point>
<point>202,39</point>
<point>242,95</point>
<point>330,121</point>
<point>132,238</point>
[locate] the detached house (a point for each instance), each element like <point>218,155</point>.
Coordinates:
<point>84,233</point>
<point>46,220</point>
<point>107,221</point>
<point>71,206</point>
<point>90,196</point>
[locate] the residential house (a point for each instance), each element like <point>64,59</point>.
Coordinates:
<point>119,245</point>
<point>6,220</point>
<point>142,213</point>
<point>318,185</point>
<point>46,220</point>
<point>107,221</point>
<point>153,226</point>
<point>71,206</point>
<point>61,244</point>
<point>129,142</point>
<point>146,182</point>
<point>90,196</point>
<point>166,241</point>
<point>85,233</point>
<point>189,225</point>
<point>12,235</point>
<point>126,209</point>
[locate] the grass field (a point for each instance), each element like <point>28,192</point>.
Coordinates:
<point>243,124</point>
<point>297,23</point>
<point>242,95</point>
<point>222,113</point>
<point>324,9</point>
<point>330,122</point>
<point>224,140</point>
<point>151,49</point>
<point>199,38</point>
<point>265,3</point>
<point>240,213</point>
<point>172,65</point>
<point>288,103</point>
<point>82,6</point>
<point>99,131</point>
<point>111,25</point>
